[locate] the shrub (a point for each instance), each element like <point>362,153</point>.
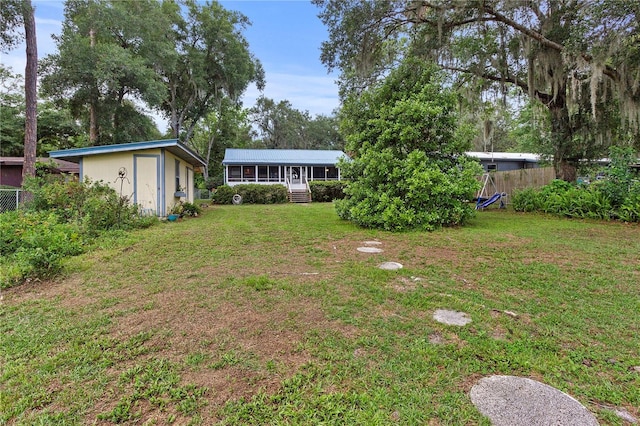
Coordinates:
<point>408,168</point>
<point>223,195</point>
<point>190,209</point>
<point>93,205</point>
<point>327,191</point>
<point>59,219</point>
<point>251,194</point>
<point>526,200</point>
<point>33,245</point>
<point>629,211</point>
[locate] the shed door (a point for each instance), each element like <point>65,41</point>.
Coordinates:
<point>147,183</point>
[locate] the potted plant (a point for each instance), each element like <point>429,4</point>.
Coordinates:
<point>175,212</point>
<point>180,192</point>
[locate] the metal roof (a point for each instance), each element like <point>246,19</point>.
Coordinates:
<point>61,165</point>
<point>289,157</point>
<point>505,156</point>
<point>172,145</point>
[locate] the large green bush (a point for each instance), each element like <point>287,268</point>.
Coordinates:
<point>251,194</point>
<point>326,191</point>
<point>408,169</point>
<point>93,205</point>
<point>615,196</point>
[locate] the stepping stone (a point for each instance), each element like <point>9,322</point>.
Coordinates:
<point>372,243</point>
<point>390,266</point>
<point>369,250</point>
<point>518,401</point>
<point>451,317</point>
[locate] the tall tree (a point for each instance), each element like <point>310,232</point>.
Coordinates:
<point>211,61</point>
<point>578,60</point>
<point>30,92</point>
<point>279,124</point>
<point>407,169</point>
<point>323,132</point>
<point>227,126</point>
<point>14,13</point>
<point>105,65</point>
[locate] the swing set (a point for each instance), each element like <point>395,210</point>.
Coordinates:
<point>484,200</point>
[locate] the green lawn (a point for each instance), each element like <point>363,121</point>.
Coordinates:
<point>269,315</point>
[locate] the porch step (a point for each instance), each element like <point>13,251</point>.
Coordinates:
<point>299,197</point>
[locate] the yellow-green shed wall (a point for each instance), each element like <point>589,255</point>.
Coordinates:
<point>149,179</point>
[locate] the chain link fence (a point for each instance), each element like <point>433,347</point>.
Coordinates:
<point>10,199</point>
<point>202,194</point>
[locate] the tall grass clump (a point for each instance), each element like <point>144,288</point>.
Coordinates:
<point>59,220</point>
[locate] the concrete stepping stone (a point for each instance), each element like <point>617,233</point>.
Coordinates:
<point>369,250</point>
<point>390,266</point>
<point>372,243</point>
<point>518,401</point>
<point>451,317</point>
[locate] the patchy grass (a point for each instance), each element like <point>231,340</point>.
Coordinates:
<point>268,315</point>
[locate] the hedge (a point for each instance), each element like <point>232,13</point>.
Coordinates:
<point>327,191</point>
<point>251,194</point>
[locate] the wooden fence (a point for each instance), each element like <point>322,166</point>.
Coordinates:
<point>512,180</point>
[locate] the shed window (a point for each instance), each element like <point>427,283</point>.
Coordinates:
<point>493,167</point>
<point>177,175</point>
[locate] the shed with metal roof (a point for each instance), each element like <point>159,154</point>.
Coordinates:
<point>155,175</point>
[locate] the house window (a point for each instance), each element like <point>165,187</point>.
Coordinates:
<point>274,173</point>
<point>178,188</point>
<point>319,173</point>
<point>332,173</point>
<point>235,173</point>
<point>248,173</point>
<point>263,173</point>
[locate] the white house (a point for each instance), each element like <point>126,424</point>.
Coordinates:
<point>293,168</point>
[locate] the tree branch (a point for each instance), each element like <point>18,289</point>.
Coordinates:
<point>527,31</point>
<point>542,97</point>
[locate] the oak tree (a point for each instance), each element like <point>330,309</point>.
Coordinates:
<point>578,60</point>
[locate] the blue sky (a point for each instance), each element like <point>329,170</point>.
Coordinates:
<point>285,36</point>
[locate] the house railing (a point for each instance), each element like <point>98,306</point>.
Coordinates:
<point>10,199</point>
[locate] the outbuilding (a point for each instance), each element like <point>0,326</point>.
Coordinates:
<point>505,161</point>
<point>155,175</point>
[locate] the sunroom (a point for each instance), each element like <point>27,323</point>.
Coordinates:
<point>293,168</point>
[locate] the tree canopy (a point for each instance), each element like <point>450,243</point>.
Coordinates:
<point>577,61</point>
<point>281,126</point>
<point>117,60</point>
<point>211,61</point>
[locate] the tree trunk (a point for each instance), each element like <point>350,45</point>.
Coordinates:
<point>93,115</point>
<point>562,135</point>
<point>30,92</point>
<point>174,113</point>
